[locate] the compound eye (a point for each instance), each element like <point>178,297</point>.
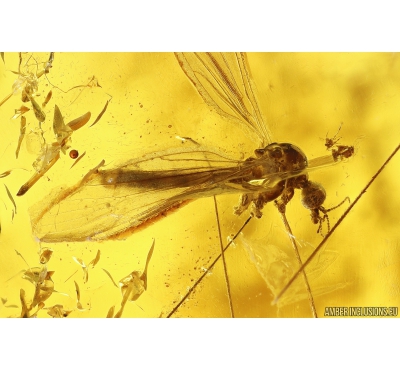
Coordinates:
<point>313,195</point>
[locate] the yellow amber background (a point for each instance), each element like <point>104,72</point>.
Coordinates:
<point>303,98</point>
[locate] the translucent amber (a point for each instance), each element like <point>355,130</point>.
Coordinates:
<point>144,103</point>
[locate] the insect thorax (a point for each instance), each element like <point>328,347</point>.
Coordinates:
<point>284,160</point>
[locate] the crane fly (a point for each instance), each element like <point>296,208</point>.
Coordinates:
<point>110,203</point>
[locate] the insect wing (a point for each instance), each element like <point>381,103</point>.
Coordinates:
<point>223,80</point>
<point>277,264</point>
<point>106,203</point>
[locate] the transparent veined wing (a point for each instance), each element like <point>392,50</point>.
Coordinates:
<point>277,264</point>
<point>224,82</point>
<point>108,202</point>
